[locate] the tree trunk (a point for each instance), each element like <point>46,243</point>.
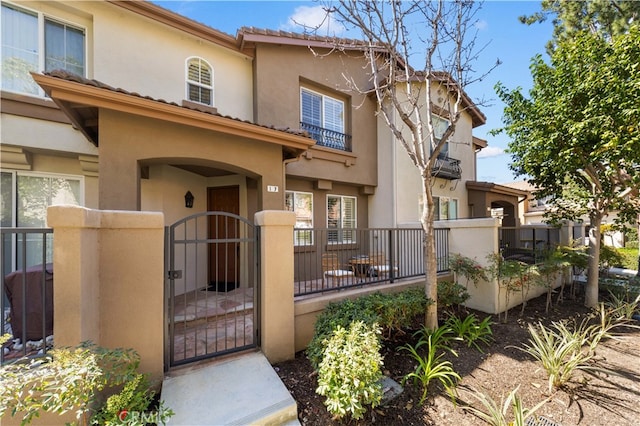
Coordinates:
<point>431,271</point>
<point>591,287</point>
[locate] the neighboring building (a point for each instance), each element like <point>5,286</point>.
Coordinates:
<point>149,106</point>
<point>400,180</point>
<point>152,106</point>
<point>532,213</point>
<point>299,83</point>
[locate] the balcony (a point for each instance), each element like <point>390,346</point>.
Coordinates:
<point>447,168</point>
<point>328,138</point>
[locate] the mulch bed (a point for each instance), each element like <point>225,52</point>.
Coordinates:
<point>589,399</point>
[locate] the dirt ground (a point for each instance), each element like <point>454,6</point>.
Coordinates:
<point>589,399</point>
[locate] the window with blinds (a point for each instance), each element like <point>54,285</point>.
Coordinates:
<point>32,41</point>
<point>341,219</point>
<point>321,110</point>
<point>301,203</point>
<point>323,117</point>
<point>199,81</point>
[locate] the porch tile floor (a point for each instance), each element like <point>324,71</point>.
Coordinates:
<point>209,321</point>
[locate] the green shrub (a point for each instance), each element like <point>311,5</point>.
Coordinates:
<point>495,414</point>
<point>621,308</point>
<point>397,311</point>
<point>610,257</point>
<point>71,378</point>
<point>65,379</point>
<point>390,311</point>
<point>559,352</point>
<point>631,237</point>
<point>430,367</point>
<point>564,348</point>
<point>470,330</point>
<point>467,268</point>
<point>127,406</point>
<point>553,264</point>
<point>450,294</point>
<point>440,337</point>
<point>630,256</point>
<point>349,375</point>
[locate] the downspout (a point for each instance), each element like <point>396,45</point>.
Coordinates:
<point>284,168</point>
<point>394,187</point>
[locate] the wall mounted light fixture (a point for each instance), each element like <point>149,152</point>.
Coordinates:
<point>188,200</point>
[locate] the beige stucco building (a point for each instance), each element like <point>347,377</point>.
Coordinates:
<point>148,131</point>
<point>125,106</point>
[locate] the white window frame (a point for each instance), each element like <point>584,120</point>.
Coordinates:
<point>42,19</point>
<point>342,234</point>
<point>13,208</point>
<point>189,82</point>
<point>323,116</point>
<point>301,237</point>
<point>438,131</point>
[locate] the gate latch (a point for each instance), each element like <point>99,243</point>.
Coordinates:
<point>175,275</point>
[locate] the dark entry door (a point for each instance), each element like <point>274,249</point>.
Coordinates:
<point>224,257</point>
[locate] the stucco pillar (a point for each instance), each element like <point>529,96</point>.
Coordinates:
<point>76,274</point>
<point>109,281</point>
<point>276,280</point>
<point>477,238</point>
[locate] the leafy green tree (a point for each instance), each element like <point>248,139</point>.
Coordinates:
<point>603,17</point>
<point>577,135</point>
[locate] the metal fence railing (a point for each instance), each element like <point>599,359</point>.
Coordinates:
<point>26,293</point>
<point>528,244</point>
<point>329,259</point>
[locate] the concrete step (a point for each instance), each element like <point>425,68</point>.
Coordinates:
<point>240,390</point>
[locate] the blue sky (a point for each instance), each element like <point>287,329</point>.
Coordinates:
<point>510,41</point>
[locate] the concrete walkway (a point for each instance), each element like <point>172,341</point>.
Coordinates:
<point>240,390</point>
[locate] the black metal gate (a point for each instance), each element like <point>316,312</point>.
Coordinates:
<point>212,282</point>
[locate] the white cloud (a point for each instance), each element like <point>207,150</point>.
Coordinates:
<point>481,24</point>
<point>491,151</point>
<point>309,18</point>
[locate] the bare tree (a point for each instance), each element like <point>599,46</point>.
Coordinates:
<point>440,37</point>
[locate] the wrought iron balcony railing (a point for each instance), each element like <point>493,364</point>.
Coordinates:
<point>328,138</point>
<point>447,168</point>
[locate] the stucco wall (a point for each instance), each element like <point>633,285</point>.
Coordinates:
<point>109,281</point>
<point>116,38</point>
<point>308,309</point>
<point>129,141</point>
<point>278,103</point>
<point>410,198</point>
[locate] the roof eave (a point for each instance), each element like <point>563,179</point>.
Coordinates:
<point>182,23</point>
<point>68,93</point>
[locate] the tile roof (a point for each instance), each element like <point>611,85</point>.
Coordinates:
<point>65,75</point>
<point>342,42</point>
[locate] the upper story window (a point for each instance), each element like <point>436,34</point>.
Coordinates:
<point>439,127</point>
<point>323,117</point>
<point>199,81</point>
<point>32,41</point>
<point>341,218</point>
<point>301,203</point>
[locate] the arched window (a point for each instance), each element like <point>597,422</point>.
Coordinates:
<point>199,81</point>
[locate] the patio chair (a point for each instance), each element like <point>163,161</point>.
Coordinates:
<point>380,265</point>
<point>331,269</point>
